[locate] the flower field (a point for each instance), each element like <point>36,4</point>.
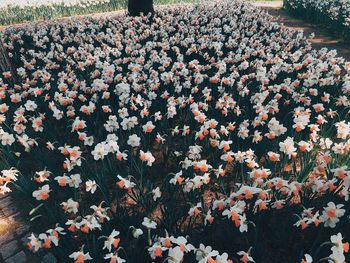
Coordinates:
<point>209,134</point>
<point>17,11</point>
<point>334,13</point>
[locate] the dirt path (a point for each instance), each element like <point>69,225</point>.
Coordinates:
<point>13,232</point>
<point>319,41</point>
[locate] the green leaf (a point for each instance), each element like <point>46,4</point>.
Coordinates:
<point>35,209</point>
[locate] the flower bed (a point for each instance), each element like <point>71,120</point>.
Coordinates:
<point>207,135</point>
<point>18,11</point>
<point>333,13</point>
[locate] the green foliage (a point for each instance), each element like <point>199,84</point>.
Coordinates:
<point>334,15</point>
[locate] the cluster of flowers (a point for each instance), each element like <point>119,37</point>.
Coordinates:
<point>127,134</point>
<point>39,3</point>
<point>17,11</point>
<point>7,176</point>
<point>335,12</point>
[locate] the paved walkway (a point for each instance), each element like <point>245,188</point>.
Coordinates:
<point>319,41</point>
<point>13,233</point>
